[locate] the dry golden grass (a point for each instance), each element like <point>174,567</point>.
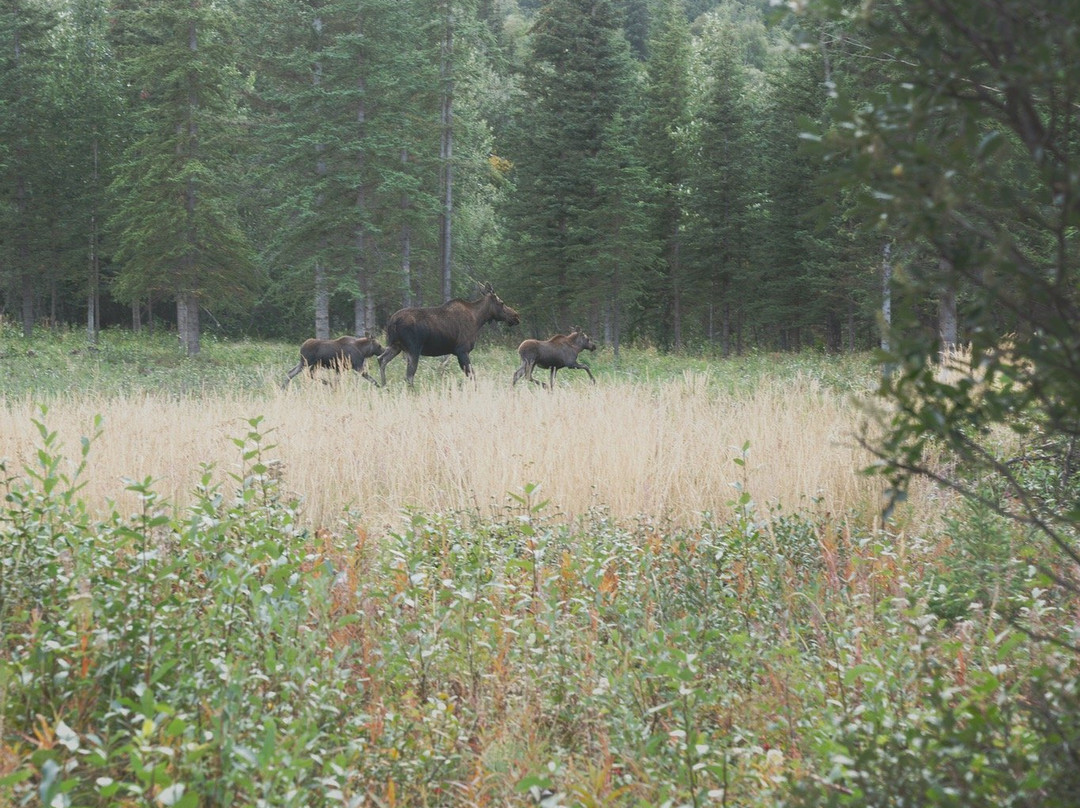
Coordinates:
<point>660,451</point>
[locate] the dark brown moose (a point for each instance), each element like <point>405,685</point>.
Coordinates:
<point>339,354</point>
<point>561,351</point>
<point>442,330</point>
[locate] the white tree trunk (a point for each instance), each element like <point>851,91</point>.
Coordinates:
<point>187,322</point>
<point>322,302</point>
<point>947,320</point>
<point>407,294</point>
<point>93,296</point>
<point>886,295</point>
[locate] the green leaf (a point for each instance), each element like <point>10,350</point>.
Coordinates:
<point>16,777</point>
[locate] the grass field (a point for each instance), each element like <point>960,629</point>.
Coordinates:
<point>670,588</point>
<point>655,438</point>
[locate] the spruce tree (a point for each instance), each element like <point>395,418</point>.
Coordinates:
<point>621,249</point>
<point>175,207</point>
<point>722,166</point>
<point>577,83</point>
<point>27,149</point>
<point>93,112</point>
<point>665,121</point>
<point>788,291</point>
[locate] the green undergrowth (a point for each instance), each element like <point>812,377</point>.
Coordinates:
<point>227,657</point>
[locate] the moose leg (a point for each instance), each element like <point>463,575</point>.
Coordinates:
<point>410,370</point>
<point>358,366</point>
<point>463,362</point>
<point>520,372</point>
<point>582,366</point>
<point>299,367</point>
<point>384,360</point>
<point>368,376</point>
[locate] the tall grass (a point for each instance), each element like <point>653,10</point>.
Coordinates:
<point>661,448</point>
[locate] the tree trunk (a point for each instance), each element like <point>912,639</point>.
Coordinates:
<point>406,242</point>
<point>947,321</point>
<point>22,249</point>
<point>27,304</point>
<point>322,285</point>
<point>363,305</point>
<point>187,322</point>
<point>187,304</point>
<point>614,338</point>
<point>446,155</point>
<point>361,322</point>
<point>407,296</point>
<point>322,302</point>
<point>851,326</point>
<point>23,252</point>
<point>93,301</point>
<point>93,296</point>
<point>886,295</point>
<point>676,294</point>
<point>725,329</point>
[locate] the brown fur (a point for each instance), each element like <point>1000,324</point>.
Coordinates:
<point>449,329</point>
<point>339,354</point>
<point>560,351</point>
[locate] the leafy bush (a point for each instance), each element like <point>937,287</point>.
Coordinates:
<point>154,657</point>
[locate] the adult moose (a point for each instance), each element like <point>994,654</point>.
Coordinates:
<point>561,351</point>
<point>338,354</point>
<point>442,330</point>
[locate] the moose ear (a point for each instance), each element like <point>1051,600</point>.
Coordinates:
<point>487,288</point>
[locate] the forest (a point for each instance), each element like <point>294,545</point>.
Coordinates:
<point>267,168</point>
<point>807,533</point>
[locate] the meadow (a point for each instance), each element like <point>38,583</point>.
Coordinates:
<point>657,438</point>
<point>673,587</point>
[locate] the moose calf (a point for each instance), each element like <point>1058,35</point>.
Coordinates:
<point>561,351</point>
<point>339,354</point>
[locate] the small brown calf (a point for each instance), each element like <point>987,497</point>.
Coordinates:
<point>339,354</point>
<point>561,351</point>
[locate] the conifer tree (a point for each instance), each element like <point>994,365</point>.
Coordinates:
<point>721,166</point>
<point>175,207</point>
<point>665,120</point>
<point>785,305</point>
<point>93,112</point>
<point>621,250</point>
<point>577,82</point>
<point>27,100</point>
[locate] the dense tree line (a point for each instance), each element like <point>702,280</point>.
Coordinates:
<point>282,168</point>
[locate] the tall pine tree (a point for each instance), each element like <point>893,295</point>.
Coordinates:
<point>27,143</point>
<point>93,110</point>
<point>175,208</point>
<point>578,82</point>
<point>722,165</point>
<point>665,121</point>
